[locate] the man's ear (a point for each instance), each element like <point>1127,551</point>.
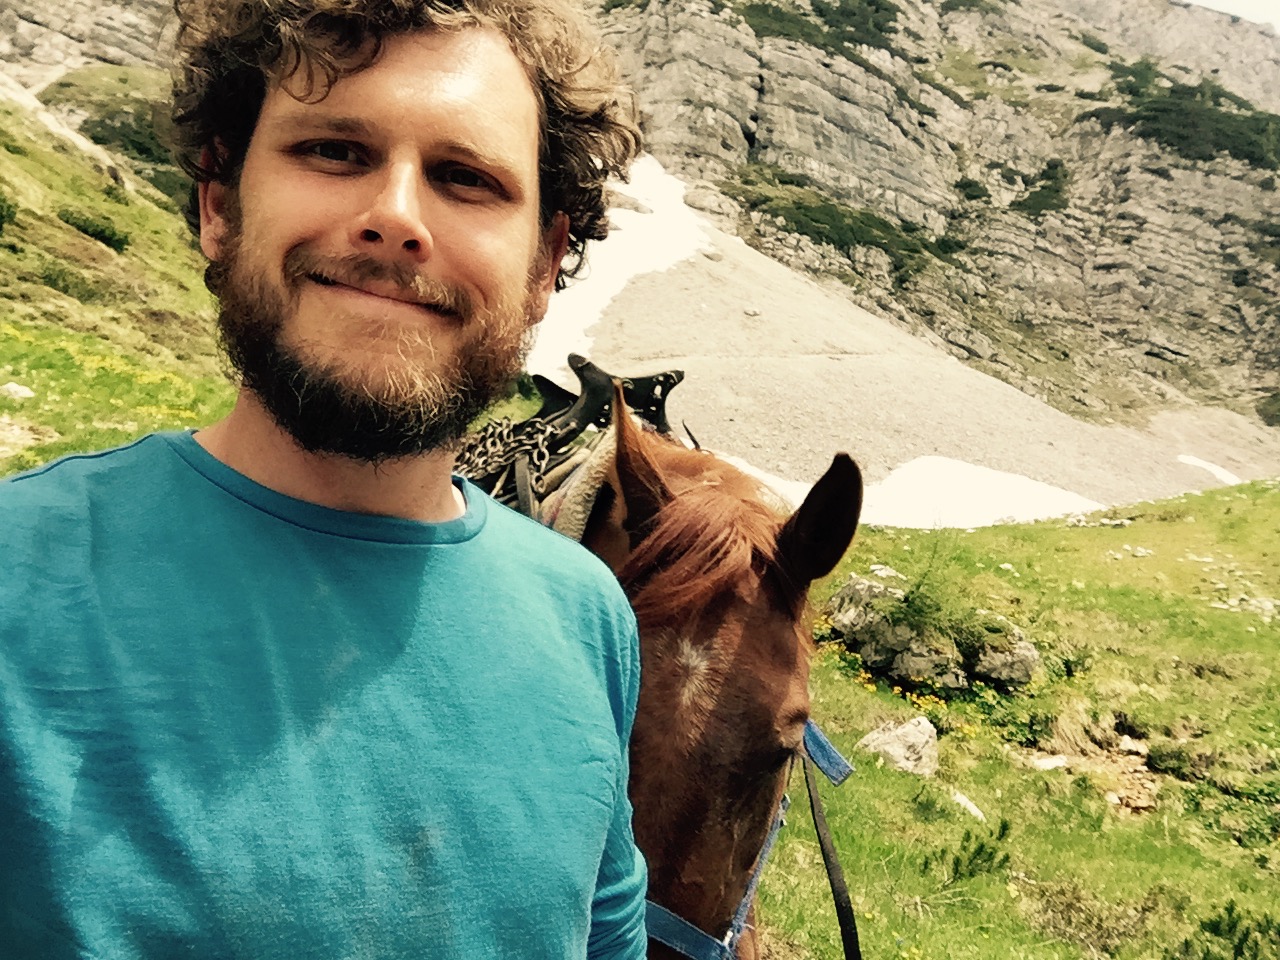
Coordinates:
<point>555,243</point>
<point>214,200</point>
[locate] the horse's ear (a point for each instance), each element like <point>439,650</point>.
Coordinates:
<point>639,482</point>
<point>817,535</point>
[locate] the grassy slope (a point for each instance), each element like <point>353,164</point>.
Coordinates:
<point>1143,637</point>
<point>114,344</point>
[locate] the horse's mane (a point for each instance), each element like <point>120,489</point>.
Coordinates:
<point>718,528</point>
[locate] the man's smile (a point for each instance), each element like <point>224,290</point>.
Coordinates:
<point>383,291</point>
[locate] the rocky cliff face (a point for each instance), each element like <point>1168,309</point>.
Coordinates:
<point>1132,275</point>
<point>40,40</point>
<point>938,165</point>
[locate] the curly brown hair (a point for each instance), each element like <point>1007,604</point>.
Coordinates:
<point>229,51</point>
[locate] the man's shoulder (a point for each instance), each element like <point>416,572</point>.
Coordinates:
<point>547,553</point>
<point>71,483</point>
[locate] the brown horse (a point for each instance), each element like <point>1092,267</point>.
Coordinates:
<point>718,580</point>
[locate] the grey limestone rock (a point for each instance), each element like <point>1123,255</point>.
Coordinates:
<point>911,746</point>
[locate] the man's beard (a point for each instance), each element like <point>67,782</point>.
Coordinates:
<point>412,407</point>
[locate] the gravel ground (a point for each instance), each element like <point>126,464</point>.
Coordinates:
<point>783,373</point>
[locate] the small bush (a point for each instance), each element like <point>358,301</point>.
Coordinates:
<point>1135,79</point>
<point>99,228</point>
<point>1090,95</point>
<point>978,6</point>
<point>972,189</point>
<point>1269,410</point>
<point>1268,184</point>
<point>1240,277</point>
<point>976,855</point>
<point>8,211</point>
<point>1231,933</point>
<point>1095,44</point>
<point>65,279</point>
<point>1050,87</point>
<point>1050,192</point>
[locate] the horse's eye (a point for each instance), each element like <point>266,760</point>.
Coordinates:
<point>781,757</point>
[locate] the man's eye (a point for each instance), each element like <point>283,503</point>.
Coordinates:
<point>466,178</point>
<point>334,151</point>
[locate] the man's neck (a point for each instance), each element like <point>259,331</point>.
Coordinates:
<point>249,441</point>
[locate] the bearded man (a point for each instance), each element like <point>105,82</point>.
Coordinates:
<point>284,687</point>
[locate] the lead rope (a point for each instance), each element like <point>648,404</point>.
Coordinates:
<point>835,875</point>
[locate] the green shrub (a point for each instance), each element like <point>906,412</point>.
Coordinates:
<point>1050,87</point>
<point>768,20</point>
<point>975,856</point>
<point>978,6</point>
<point>8,211</point>
<point>871,22</point>
<point>1231,934</point>
<point>1240,277</point>
<point>1268,184</point>
<point>68,280</point>
<point>1050,194</point>
<point>131,132</point>
<point>1199,122</point>
<point>99,228</point>
<point>1269,410</point>
<point>804,210</point>
<point>972,189</point>
<point>1095,44</point>
<point>1135,79</point>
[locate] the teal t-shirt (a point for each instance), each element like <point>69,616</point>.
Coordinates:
<point>238,725</point>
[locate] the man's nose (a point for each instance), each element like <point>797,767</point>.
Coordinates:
<point>395,223</point>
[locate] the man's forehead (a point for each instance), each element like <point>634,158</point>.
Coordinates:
<point>466,85</point>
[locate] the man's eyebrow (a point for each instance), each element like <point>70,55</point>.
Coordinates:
<point>323,123</point>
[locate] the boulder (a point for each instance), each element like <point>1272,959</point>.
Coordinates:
<point>1009,668</point>
<point>911,746</point>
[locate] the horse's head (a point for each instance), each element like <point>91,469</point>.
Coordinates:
<point>718,579</point>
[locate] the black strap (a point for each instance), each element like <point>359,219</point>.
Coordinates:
<point>835,876</point>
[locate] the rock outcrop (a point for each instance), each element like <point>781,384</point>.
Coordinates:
<point>39,41</point>
<point>936,650</point>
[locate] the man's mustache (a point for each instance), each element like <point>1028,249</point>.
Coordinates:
<point>358,270</point>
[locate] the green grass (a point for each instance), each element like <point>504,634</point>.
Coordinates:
<point>1149,640</point>
<point>149,296</point>
<point>93,394</point>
